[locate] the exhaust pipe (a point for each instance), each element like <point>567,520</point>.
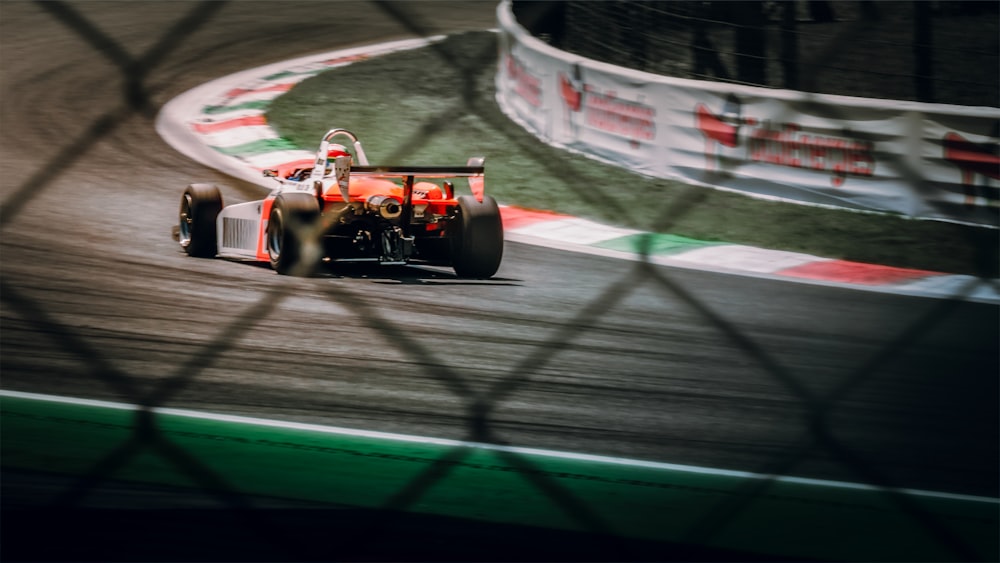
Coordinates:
<point>385,206</point>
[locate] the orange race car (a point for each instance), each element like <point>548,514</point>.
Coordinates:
<point>342,210</point>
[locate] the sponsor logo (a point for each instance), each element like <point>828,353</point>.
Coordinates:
<point>526,85</point>
<point>604,110</point>
<point>974,159</point>
<point>571,89</point>
<point>780,144</point>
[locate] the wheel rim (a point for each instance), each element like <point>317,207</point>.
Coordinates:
<point>186,221</point>
<point>274,237</point>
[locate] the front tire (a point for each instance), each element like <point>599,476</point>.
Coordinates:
<point>477,246</point>
<point>291,239</point>
<point>200,206</point>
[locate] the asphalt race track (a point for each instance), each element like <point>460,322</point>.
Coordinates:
<point>561,351</point>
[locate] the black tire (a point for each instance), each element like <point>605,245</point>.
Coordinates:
<point>200,206</point>
<point>293,217</point>
<point>477,244</point>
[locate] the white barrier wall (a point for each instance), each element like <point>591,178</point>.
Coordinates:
<point>921,160</point>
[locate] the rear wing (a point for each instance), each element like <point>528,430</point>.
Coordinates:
<point>419,171</point>
<point>343,167</point>
<point>474,170</point>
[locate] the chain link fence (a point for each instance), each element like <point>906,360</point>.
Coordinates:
<point>683,21</point>
<point>943,52</point>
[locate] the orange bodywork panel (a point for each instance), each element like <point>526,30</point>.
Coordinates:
<point>265,212</point>
<point>362,188</point>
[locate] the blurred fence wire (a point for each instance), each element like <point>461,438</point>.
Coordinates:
<point>647,35</point>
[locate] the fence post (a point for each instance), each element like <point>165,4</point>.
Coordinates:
<point>789,46</point>
<point>751,42</point>
<point>923,51</point>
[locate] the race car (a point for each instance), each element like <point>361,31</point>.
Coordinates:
<point>337,209</point>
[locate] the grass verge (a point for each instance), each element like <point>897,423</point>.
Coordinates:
<point>436,106</point>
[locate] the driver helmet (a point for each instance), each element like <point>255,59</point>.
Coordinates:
<point>332,152</point>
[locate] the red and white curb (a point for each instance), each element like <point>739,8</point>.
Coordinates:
<point>222,124</point>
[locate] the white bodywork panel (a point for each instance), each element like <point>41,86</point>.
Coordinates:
<point>239,229</point>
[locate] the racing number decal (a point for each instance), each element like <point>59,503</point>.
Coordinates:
<point>342,169</point>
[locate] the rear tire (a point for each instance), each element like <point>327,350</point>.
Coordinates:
<point>200,206</point>
<point>290,237</point>
<point>477,246</point>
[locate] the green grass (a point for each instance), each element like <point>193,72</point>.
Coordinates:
<point>436,106</point>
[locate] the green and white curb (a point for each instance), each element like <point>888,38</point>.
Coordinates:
<point>222,124</point>
<point>661,502</point>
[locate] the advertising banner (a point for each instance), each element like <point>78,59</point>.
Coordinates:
<point>919,160</point>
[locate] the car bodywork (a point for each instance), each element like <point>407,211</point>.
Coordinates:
<point>342,210</point>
